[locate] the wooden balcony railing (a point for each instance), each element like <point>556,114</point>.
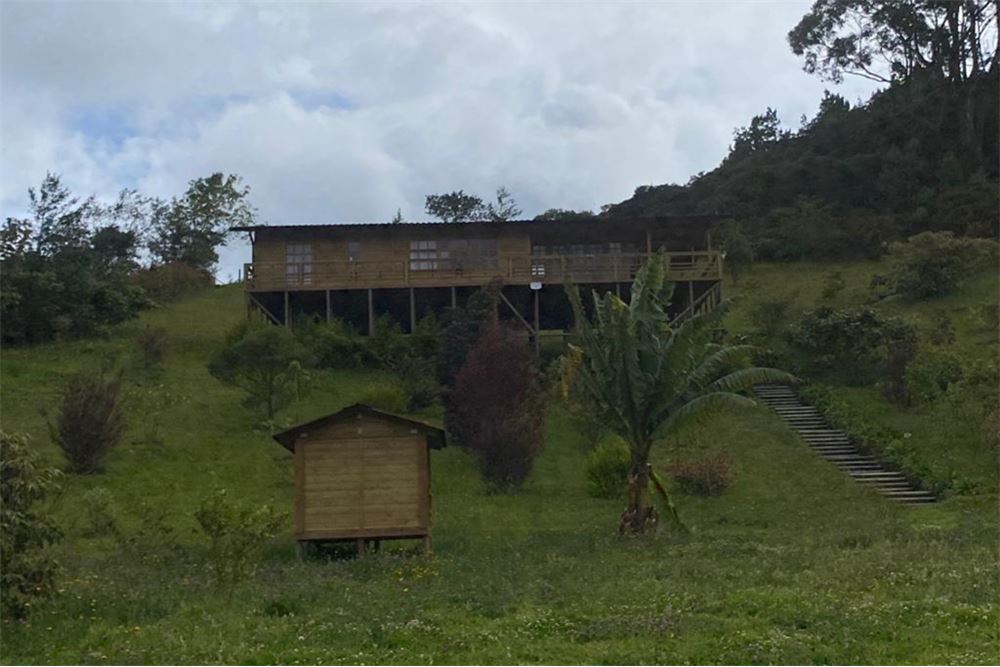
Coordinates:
<point>514,269</point>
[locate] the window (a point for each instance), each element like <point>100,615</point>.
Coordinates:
<point>423,255</point>
<point>354,251</point>
<point>298,263</point>
<point>453,254</point>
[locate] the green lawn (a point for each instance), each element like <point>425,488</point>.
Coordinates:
<point>795,563</point>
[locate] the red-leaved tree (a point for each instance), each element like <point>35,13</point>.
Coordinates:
<point>499,409</point>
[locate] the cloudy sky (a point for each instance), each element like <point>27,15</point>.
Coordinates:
<point>346,112</point>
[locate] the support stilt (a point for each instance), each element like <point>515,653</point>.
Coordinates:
<point>691,296</point>
<point>329,309</point>
<point>361,547</point>
<point>538,338</point>
<point>454,297</point>
<point>427,545</point>
<point>413,311</point>
<point>371,312</point>
<point>288,310</point>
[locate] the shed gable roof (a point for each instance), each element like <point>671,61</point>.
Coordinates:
<point>435,436</point>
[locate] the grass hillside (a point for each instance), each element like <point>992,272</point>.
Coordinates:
<point>795,563</point>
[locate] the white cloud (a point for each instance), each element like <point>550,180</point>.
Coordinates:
<point>346,112</point>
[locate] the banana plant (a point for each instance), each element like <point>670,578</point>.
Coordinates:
<point>647,378</point>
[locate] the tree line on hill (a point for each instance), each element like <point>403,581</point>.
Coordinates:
<point>919,155</point>
<point>76,266</point>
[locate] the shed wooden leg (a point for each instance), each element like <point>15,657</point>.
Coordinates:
<point>427,545</point>
<point>361,547</point>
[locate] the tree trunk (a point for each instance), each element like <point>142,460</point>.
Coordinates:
<point>639,515</point>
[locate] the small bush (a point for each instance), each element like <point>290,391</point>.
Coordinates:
<point>419,380</point>
<point>706,476</point>
<point>833,285</point>
<point>499,408</point>
<point>334,345</point>
<point>931,373</point>
<point>934,263</point>
<point>151,345</point>
<point>167,282</point>
<point>268,363</point>
<point>101,512</point>
<point>607,468</point>
<point>387,342</point>
<point>27,570</point>
<point>91,419</point>
<point>387,397</point>
<point>942,331</point>
<point>860,345</point>
<point>236,533</point>
<point>770,316</point>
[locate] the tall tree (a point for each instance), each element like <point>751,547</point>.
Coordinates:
<point>763,131</point>
<point>504,208</point>
<point>455,207</point>
<point>647,378</point>
<point>191,228</point>
<point>61,220</point>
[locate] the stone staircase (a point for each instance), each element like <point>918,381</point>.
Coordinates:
<point>836,446</point>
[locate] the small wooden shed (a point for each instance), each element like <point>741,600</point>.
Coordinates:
<point>362,474</point>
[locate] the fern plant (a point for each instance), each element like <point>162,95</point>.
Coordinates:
<point>647,377</point>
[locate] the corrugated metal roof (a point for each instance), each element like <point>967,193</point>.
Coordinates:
<point>433,223</point>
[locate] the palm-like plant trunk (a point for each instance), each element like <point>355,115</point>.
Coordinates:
<point>639,514</point>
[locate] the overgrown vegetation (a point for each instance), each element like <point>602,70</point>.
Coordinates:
<point>91,418</point>
<point>237,533</point>
<point>27,568</point>
<point>74,268</point>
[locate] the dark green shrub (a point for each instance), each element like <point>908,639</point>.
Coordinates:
<point>267,362</point>
<point>708,475</point>
<point>387,343</point>
<point>335,345</point>
<point>237,533</point>
<point>770,317</point>
<point>167,282</point>
<point>91,419</point>
<point>151,345</point>
<point>934,263</point>
<point>418,379</point>
<point>931,373</point>
<point>27,570</point>
<point>607,468</point>
<point>858,345</point>
<point>942,331</point>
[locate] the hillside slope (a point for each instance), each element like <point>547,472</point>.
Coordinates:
<point>793,563</point>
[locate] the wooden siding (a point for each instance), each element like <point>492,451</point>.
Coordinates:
<point>517,269</point>
<point>361,477</point>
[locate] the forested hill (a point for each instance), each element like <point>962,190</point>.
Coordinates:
<point>920,155</point>
<point>893,166</point>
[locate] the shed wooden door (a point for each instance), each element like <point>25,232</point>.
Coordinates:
<point>363,485</point>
